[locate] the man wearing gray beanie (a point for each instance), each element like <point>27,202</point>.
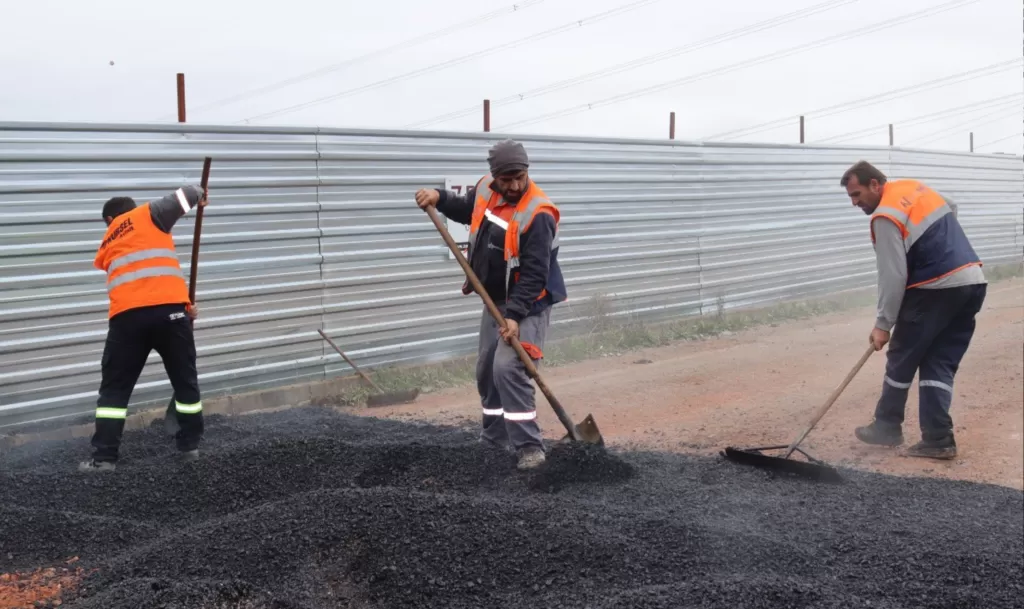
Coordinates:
<point>513,250</point>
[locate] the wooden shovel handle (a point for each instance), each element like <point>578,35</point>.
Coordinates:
<point>350,362</point>
<point>531,369</point>
<point>828,403</point>
<point>194,270</point>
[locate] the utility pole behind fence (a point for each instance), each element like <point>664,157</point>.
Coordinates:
<point>801,129</point>
<point>671,125</point>
<point>972,141</point>
<point>890,134</point>
<point>181,97</point>
<point>487,116</point>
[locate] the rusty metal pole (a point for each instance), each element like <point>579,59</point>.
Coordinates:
<point>972,141</point>
<point>181,97</point>
<point>801,129</point>
<point>890,134</point>
<point>671,125</point>
<point>487,116</point>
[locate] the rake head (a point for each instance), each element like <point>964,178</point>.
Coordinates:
<point>392,398</point>
<point>811,469</point>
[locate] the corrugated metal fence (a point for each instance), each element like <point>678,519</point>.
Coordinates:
<point>316,228</point>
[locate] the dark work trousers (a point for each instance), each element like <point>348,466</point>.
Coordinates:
<point>131,336</point>
<point>932,333</point>
<point>506,391</point>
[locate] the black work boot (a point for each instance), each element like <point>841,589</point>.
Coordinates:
<point>880,434</point>
<point>934,449</point>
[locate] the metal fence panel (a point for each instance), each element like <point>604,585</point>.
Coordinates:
<point>315,229</point>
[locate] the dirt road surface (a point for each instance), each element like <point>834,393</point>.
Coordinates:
<point>760,387</point>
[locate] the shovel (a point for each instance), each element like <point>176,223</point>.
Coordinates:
<point>587,430</point>
<point>812,468</point>
<point>170,415</point>
<point>381,398</point>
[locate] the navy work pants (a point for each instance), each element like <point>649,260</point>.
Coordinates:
<point>932,333</point>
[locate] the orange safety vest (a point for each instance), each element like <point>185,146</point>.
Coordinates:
<point>515,220</point>
<point>935,243</point>
<point>141,264</point>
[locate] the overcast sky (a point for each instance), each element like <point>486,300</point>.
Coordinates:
<point>55,65</point>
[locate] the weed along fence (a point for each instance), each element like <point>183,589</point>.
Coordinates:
<point>316,229</point>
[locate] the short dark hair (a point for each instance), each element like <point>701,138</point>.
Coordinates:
<point>865,172</point>
<point>117,206</point>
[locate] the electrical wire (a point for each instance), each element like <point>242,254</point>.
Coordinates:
<point>882,25</point>
<point>985,104</point>
<point>939,134</point>
<point>573,25</point>
<point>996,141</point>
<point>642,61</point>
<point>872,100</point>
<point>434,35</point>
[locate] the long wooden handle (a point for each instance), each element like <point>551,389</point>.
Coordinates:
<point>831,400</point>
<point>194,270</point>
<point>500,319</point>
<point>350,362</point>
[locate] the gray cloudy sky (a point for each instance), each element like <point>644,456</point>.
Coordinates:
<point>55,65</point>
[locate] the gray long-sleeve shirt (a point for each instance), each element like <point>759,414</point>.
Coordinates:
<point>166,210</point>
<point>891,259</point>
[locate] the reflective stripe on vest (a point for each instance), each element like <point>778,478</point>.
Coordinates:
<point>157,271</point>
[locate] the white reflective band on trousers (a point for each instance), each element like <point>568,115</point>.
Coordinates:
<point>510,416</point>
<point>936,384</point>
<point>520,416</point>
<point>897,384</point>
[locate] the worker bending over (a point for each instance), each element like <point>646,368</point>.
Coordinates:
<point>930,287</point>
<point>149,309</point>
<point>513,250</point>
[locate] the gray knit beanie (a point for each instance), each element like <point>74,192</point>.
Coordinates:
<point>507,156</point>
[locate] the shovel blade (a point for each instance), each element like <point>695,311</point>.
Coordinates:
<point>813,471</point>
<point>392,398</point>
<point>588,432</point>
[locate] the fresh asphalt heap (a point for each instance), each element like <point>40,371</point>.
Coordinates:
<point>308,508</point>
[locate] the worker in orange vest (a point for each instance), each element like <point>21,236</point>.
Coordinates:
<point>149,309</point>
<point>513,249</point>
<point>930,287</point>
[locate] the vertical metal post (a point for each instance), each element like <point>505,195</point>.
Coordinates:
<point>181,97</point>
<point>801,129</point>
<point>972,141</point>
<point>671,125</point>
<point>890,134</point>
<point>487,116</point>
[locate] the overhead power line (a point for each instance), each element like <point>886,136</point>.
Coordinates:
<point>875,99</point>
<point>404,44</point>
<point>996,141</point>
<point>882,25</point>
<point>1000,101</point>
<point>640,62</point>
<point>573,25</point>
<point>998,115</point>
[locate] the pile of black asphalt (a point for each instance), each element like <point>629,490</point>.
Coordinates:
<point>312,508</point>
